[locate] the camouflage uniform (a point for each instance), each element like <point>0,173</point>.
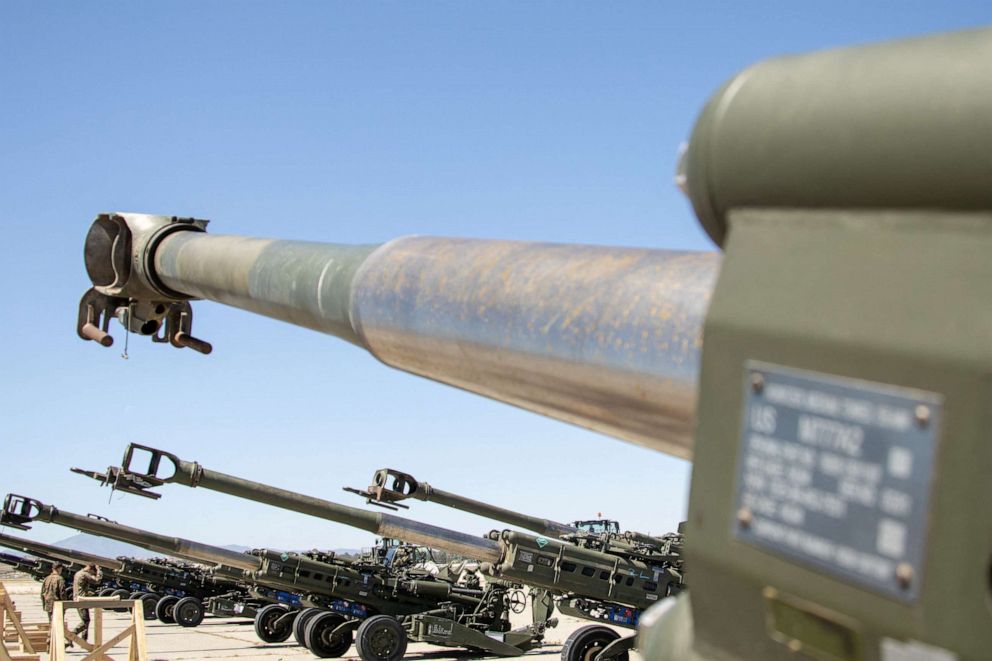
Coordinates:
<point>52,590</point>
<point>84,584</point>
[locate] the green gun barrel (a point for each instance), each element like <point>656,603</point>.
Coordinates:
<point>68,555</point>
<point>388,494</point>
<point>19,511</point>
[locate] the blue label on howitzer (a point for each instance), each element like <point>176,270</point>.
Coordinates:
<point>349,608</point>
<point>836,473</point>
<point>623,616</point>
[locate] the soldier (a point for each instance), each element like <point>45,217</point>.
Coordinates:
<point>52,589</point>
<point>84,584</point>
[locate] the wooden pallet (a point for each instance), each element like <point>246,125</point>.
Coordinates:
<point>135,633</point>
<point>31,638</point>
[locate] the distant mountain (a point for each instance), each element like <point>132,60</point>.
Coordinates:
<point>103,546</point>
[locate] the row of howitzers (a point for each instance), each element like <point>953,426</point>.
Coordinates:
<point>395,593</point>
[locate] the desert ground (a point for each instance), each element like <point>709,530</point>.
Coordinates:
<point>235,639</point>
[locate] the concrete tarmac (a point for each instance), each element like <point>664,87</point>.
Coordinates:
<point>226,638</point>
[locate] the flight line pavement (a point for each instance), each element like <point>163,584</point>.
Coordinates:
<point>224,638</point>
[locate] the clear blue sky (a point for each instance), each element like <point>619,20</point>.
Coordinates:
<point>347,122</point>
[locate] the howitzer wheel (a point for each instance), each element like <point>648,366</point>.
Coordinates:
<point>321,639</point>
<point>300,624</point>
<point>188,612</point>
<point>165,608</point>
<point>587,642</point>
<point>149,601</point>
<point>267,626</point>
<point>121,594</point>
<point>381,638</point>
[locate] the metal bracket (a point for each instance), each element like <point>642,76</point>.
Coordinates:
<point>379,494</point>
<point>19,511</point>
<point>97,309</point>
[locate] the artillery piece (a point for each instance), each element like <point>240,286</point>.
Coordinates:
<point>38,568</point>
<point>611,587</point>
<point>115,582</point>
<point>848,191</point>
<point>173,594</point>
<point>390,487</point>
<point>343,599</point>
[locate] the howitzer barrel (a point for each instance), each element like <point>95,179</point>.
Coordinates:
<point>404,486</point>
<point>19,509</point>
<point>192,474</point>
<point>81,557</point>
<point>533,523</point>
<point>606,338</point>
<point>385,525</point>
<point>16,561</point>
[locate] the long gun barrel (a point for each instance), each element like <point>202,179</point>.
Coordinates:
<point>403,486</point>
<point>19,511</point>
<point>606,338</point>
<point>69,555</point>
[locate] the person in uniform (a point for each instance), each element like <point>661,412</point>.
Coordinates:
<point>84,584</point>
<point>52,589</point>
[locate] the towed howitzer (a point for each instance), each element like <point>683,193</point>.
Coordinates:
<point>342,598</point>
<point>37,568</point>
<point>169,592</point>
<point>848,190</point>
<point>390,487</point>
<point>602,586</point>
<point>125,578</point>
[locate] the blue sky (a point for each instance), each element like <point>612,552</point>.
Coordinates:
<point>353,123</point>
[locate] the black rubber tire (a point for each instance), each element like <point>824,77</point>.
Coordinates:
<point>124,595</point>
<point>148,602</point>
<point>318,635</point>
<point>188,612</point>
<point>381,638</point>
<point>300,624</point>
<point>587,642</point>
<point>165,607</point>
<point>136,595</point>
<point>265,620</point>
<point>105,592</point>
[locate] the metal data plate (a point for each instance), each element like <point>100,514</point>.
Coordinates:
<point>835,473</point>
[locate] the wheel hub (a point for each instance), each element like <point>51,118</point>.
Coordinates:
<point>382,642</point>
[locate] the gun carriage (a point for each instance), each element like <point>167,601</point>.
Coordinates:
<point>343,600</point>
<point>174,593</point>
